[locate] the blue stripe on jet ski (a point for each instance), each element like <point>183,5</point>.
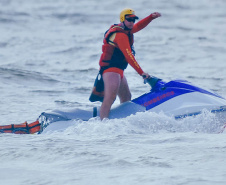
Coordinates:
<point>154,99</point>
<point>182,84</point>
<point>167,91</point>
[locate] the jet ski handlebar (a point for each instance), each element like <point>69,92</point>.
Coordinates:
<point>152,81</point>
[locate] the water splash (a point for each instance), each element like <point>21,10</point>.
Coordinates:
<point>141,123</point>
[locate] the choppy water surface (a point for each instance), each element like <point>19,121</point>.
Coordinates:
<point>49,53</point>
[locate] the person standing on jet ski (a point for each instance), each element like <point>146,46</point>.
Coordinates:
<point>117,54</point>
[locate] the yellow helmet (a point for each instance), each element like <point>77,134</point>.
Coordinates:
<point>127,11</point>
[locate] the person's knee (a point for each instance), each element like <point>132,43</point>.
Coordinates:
<point>129,96</point>
<point>126,97</point>
<point>109,99</point>
<point>112,99</point>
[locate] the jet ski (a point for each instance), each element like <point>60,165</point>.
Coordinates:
<point>177,98</point>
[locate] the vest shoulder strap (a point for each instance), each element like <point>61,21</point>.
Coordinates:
<point>114,29</point>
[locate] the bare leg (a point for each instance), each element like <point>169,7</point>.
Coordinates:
<point>111,87</point>
<point>124,92</point>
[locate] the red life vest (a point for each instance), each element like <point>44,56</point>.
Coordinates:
<point>112,55</point>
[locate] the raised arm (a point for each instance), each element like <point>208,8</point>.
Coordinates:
<point>144,22</point>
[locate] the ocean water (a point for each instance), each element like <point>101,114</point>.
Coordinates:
<point>49,53</point>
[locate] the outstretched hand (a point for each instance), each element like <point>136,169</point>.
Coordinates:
<point>155,15</point>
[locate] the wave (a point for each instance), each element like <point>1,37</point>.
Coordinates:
<point>13,17</point>
<point>23,76</point>
<point>141,123</point>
